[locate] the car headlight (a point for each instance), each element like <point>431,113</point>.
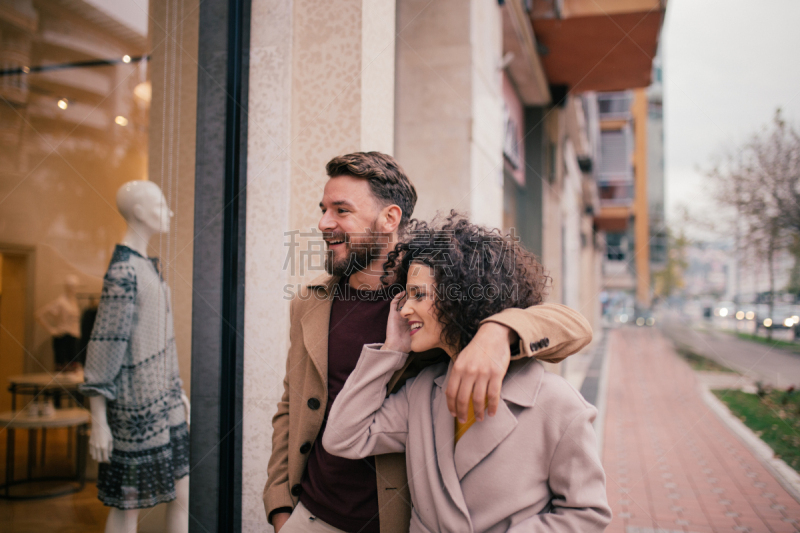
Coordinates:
<point>640,321</point>
<point>767,322</point>
<point>651,321</point>
<point>739,315</point>
<point>789,322</point>
<point>750,315</point>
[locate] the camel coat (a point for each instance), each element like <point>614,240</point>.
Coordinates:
<point>533,467</point>
<point>549,332</point>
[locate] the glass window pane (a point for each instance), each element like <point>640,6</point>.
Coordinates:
<point>97,130</point>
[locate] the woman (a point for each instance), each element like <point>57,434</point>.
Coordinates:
<point>534,465</point>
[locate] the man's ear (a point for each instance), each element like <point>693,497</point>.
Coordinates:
<point>390,218</point>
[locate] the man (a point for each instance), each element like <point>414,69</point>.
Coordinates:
<point>367,202</point>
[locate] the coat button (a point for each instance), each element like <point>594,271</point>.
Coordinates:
<point>297,489</point>
<point>534,347</point>
<point>313,404</point>
<point>305,448</point>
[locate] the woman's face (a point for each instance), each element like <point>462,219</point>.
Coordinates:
<point>419,311</point>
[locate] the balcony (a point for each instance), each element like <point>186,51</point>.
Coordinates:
<point>618,275</point>
<point>614,106</point>
<point>598,45</point>
<point>616,205</point>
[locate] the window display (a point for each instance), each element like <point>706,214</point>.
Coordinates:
<point>139,410</point>
<point>98,104</point>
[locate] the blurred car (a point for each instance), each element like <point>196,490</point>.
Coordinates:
<point>625,315</point>
<point>725,309</point>
<point>645,318</point>
<point>782,317</point>
<point>745,312</point>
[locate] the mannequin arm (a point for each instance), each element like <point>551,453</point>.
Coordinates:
<point>187,407</point>
<point>42,318</point>
<point>101,442</point>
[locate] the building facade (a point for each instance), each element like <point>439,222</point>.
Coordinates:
<point>527,116</point>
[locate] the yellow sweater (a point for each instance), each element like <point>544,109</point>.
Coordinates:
<point>462,428</point>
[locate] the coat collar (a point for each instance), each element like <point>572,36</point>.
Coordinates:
<point>323,281</point>
<point>316,322</point>
<point>520,386</point>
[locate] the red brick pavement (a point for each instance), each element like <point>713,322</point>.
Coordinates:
<point>670,463</point>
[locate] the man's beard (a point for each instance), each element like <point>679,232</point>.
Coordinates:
<point>360,252</point>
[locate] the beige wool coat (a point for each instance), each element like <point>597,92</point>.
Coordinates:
<point>533,467</point>
<point>549,332</point>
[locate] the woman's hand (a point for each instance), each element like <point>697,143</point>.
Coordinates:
<point>398,336</point>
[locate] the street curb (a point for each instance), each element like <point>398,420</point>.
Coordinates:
<point>602,393</point>
<point>783,473</point>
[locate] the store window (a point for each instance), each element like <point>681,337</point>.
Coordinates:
<point>98,106</point>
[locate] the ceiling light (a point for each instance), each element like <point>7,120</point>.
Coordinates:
<point>126,58</point>
<point>122,121</point>
<point>143,91</point>
<point>63,103</point>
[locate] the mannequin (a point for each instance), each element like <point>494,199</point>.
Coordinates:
<point>61,319</point>
<point>140,413</point>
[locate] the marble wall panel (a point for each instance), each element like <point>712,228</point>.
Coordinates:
<point>268,199</point>
<point>449,118</point>
<point>316,91</point>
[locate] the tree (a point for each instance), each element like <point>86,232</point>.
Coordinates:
<point>760,182</point>
<point>669,281</point>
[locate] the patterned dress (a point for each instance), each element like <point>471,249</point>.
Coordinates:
<point>133,363</point>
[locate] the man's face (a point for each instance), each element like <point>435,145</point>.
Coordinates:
<point>349,225</point>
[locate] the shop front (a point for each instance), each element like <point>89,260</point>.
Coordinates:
<point>122,142</point>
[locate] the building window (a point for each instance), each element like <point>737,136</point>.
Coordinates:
<point>616,247</point>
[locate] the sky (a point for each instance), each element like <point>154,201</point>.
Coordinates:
<point>728,64</point>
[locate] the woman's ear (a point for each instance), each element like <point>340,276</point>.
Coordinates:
<point>391,216</point>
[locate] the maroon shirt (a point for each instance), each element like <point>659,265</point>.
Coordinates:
<point>344,492</point>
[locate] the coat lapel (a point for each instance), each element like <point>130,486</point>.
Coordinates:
<point>482,438</point>
<point>316,323</point>
<point>444,439</point>
<point>521,386</point>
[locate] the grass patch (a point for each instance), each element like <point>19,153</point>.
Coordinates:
<point>777,424</point>
<point>701,363</point>
<point>774,343</point>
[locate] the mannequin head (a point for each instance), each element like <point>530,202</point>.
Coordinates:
<point>144,207</point>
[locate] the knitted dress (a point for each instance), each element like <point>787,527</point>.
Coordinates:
<point>132,361</point>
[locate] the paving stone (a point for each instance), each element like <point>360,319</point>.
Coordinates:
<point>654,408</point>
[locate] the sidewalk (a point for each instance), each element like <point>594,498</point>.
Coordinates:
<point>670,463</point>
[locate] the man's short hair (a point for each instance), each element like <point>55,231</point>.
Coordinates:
<point>386,178</point>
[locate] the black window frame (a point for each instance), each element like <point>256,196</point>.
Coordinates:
<point>215,498</point>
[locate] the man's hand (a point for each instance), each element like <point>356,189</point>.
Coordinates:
<point>479,371</point>
<point>279,519</point>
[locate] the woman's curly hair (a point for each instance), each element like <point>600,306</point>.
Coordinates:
<point>478,272</point>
